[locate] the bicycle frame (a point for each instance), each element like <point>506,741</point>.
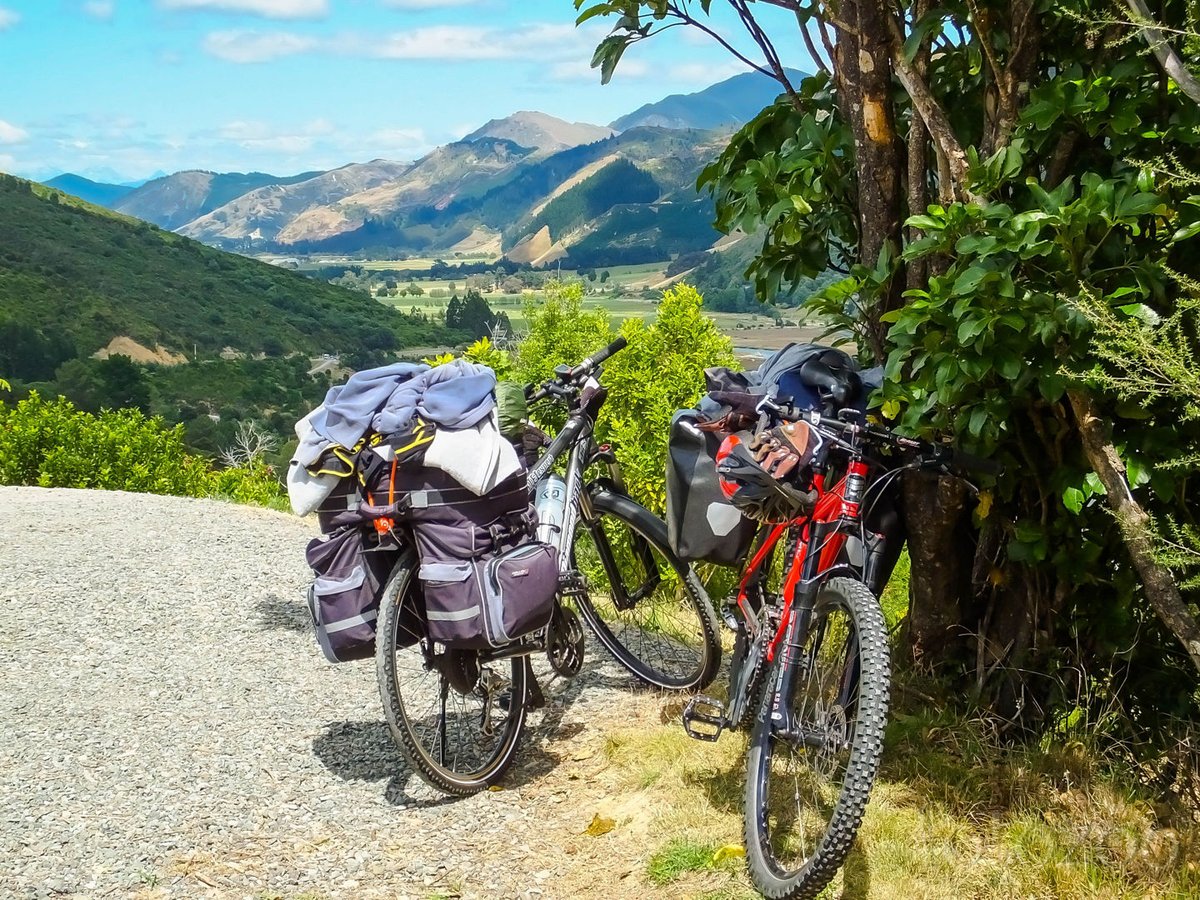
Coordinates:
<point>834,519</point>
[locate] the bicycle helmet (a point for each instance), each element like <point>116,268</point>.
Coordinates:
<point>751,488</point>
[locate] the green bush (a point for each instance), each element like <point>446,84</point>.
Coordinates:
<point>661,370</point>
<point>50,443</point>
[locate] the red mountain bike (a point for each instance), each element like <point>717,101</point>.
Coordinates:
<point>810,669</point>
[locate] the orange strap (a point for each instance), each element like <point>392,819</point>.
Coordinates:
<point>384,525</point>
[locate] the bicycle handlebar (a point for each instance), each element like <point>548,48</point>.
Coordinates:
<point>589,365</point>
<point>952,459</point>
<point>556,387</point>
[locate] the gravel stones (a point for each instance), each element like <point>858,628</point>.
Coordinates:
<point>171,729</point>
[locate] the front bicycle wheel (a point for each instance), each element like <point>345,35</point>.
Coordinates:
<point>812,764</point>
<point>457,719</point>
<point>641,601</point>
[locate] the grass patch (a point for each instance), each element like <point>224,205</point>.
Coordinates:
<point>894,599</point>
<point>954,814</point>
<point>677,857</point>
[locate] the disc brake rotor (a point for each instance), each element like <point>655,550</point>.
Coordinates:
<point>461,668</point>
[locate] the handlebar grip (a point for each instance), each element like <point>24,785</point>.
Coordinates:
<point>969,463</point>
<point>594,360</point>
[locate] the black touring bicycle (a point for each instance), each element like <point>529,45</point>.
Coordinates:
<point>458,713</point>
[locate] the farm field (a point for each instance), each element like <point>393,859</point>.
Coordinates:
<point>628,292</point>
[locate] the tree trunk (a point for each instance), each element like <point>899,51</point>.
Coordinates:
<point>864,71</point>
<point>938,523</point>
<point>1136,527</point>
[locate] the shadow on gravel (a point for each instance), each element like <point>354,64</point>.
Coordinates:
<point>364,751</point>
<point>286,615</point>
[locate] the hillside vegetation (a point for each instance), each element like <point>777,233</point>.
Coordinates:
<point>618,182</point>
<point>175,200</point>
<point>77,273</point>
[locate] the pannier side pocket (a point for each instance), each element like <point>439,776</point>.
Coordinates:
<point>344,615</point>
<point>452,602</point>
<point>519,589</point>
<point>344,596</point>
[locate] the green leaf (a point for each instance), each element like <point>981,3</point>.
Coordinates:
<point>1073,499</point>
<point>1008,365</point>
<point>600,9</point>
<point>969,329</point>
<point>969,280</point>
<point>925,223</point>
<point>1188,231</point>
<point>979,417</point>
<point>608,54</point>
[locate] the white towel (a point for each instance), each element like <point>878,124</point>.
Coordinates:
<point>478,458</point>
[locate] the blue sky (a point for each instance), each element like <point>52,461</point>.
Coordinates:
<point>120,89</point>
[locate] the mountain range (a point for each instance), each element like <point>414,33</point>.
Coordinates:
<point>534,187</point>
<point>531,186</point>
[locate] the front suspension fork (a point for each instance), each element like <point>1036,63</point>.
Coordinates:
<point>791,663</point>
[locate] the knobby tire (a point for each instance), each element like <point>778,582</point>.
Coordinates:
<point>766,810</point>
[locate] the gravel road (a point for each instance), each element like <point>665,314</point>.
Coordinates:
<point>171,729</point>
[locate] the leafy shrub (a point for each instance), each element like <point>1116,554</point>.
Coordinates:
<point>50,443</point>
<point>661,370</point>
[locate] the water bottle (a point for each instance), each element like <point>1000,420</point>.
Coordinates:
<point>551,505</point>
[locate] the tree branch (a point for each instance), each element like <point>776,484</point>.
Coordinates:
<point>808,43</point>
<point>764,43</point>
<point>1135,527</point>
<point>686,19</point>
<point>945,141</point>
<point>1164,52</point>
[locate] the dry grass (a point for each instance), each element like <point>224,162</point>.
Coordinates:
<point>953,815</point>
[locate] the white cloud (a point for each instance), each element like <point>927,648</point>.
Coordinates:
<point>11,134</point>
<point>704,74</point>
<point>268,9</point>
<point>8,18</point>
<point>255,47</point>
<point>444,42</point>
<point>257,136</point>
<point>100,9</point>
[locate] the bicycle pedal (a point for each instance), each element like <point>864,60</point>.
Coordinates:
<point>707,712</point>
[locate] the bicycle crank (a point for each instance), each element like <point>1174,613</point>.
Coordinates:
<point>564,642</point>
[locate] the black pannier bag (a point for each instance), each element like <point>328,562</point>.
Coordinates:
<point>702,525</point>
<point>486,582</point>
<point>351,568</point>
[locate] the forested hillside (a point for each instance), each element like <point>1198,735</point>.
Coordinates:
<point>75,276</point>
<point>618,182</point>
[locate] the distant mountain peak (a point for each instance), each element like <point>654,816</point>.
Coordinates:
<point>540,131</point>
<point>727,104</point>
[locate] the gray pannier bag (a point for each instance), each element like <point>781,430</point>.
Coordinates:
<point>492,601</point>
<point>486,582</point>
<point>351,568</point>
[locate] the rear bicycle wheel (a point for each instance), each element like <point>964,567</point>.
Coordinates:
<point>456,719</point>
<point>641,601</point>
<point>810,770</point>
